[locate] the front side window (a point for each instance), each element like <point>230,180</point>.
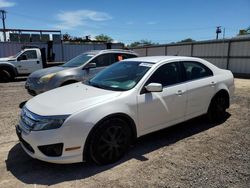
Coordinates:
<point>30,54</point>
<point>195,70</point>
<point>103,60</point>
<point>78,60</point>
<point>120,76</point>
<point>166,75</point>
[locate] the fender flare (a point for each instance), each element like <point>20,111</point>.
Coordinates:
<point>10,67</point>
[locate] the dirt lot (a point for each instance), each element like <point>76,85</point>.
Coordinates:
<point>192,154</point>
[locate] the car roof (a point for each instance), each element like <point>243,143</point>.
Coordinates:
<point>95,52</point>
<point>158,59</point>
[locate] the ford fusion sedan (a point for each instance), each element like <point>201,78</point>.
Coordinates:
<point>80,68</point>
<point>131,98</point>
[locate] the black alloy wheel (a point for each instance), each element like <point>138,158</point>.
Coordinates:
<point>217,108</point>
<point>110,141</point>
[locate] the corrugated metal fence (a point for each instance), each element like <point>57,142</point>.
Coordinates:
<point>63,52</point>
<point>233,54</point>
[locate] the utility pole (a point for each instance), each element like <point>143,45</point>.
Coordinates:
<point>3,17</point>
<point>218,30</point>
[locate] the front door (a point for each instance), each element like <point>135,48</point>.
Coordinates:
<point>28,62</point>
<point>157,110</point>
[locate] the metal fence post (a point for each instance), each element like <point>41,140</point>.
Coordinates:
<point>192,49</point>
<point>228,53</point>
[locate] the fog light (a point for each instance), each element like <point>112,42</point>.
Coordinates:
<point>53,150</point>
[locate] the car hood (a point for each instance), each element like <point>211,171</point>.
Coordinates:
<point>43,72</point>
<point>69,99</point>
<point>4,59</point>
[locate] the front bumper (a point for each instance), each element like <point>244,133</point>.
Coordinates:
<point>33,87</point>
<point>33,141</point>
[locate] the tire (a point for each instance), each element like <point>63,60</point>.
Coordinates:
<point>110,141</point>
<point>5,76</point>
<point>217,108</point>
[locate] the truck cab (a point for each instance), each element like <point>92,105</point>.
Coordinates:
<point>28,61</point>
<point>24,62</point>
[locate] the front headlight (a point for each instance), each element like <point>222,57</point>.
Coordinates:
<point>46,78</point>
<point>46,124</point>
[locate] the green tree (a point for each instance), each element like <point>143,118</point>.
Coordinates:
<point>244,31</point>
<point>187,40</point>
<point>66,37</point>
<point>103,37</point>
<point>141,43</point>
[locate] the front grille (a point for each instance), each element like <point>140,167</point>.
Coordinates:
<point>25,144</point>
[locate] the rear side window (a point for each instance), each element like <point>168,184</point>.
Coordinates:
<point>122,56</point>
<point>195,70</point>
<point>166,75</point>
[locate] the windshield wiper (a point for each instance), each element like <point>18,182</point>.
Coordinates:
<point>94,84</point>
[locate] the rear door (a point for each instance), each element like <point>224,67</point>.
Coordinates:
<point>157,110</point>
<point>200,87</point>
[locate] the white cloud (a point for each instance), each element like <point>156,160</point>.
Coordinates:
<point>129,23</point>
<point>151,23</point>
<point>6,3</point>
<point>72,19</point>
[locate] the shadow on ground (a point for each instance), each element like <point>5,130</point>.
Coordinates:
<point>31,171</point>
<point>18,79</point>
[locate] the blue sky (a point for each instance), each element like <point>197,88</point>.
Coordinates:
<point>161,21</point>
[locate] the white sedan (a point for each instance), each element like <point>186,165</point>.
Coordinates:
<point>99,120</point>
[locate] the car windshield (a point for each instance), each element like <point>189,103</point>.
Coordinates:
<point>120,76</point>
<point>78,60</point>
<point>15,56</point>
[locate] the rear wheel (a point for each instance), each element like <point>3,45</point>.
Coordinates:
<point>110,141</point>
<point>217,108</point>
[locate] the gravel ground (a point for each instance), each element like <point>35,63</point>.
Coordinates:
<point>191,154</point>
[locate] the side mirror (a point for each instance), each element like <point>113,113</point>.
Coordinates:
<point>90,65</point>
<point>154,87</point>
<point>22,57</point>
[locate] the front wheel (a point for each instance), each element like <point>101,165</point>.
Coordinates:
<point>217,108</point>
<point>110,141</point>
<point>5,76</point>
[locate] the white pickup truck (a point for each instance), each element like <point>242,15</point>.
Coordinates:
<point>23,63</point>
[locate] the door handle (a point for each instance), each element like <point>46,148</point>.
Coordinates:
<point>19,66</point>
<point>180,92</point>
<point>213,84</point>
